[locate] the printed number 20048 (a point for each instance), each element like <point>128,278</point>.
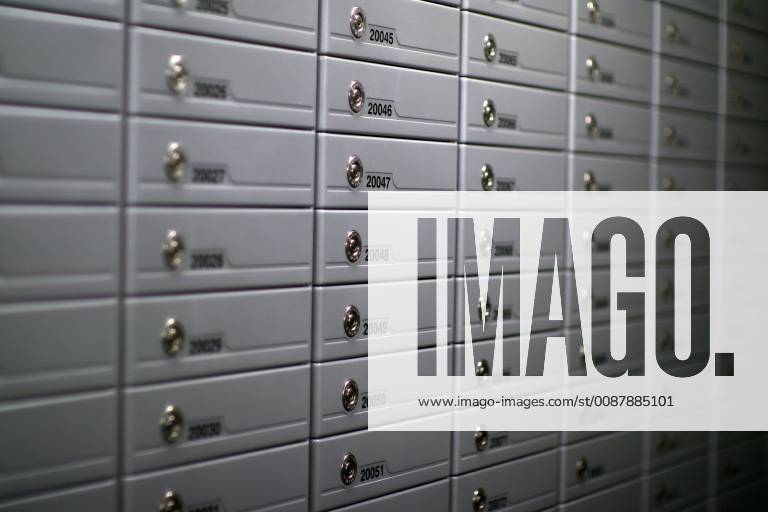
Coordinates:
<point>379,109</point>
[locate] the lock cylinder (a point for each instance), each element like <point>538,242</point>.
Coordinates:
<point>353,246</point>
<point>489,47</point>
<point>481,440</point>
<point>489,112</point>
<point>350,394</point>
<point>487,178</point>
<point>175,162</point>
<point>172,337</point>
<point>348,469</point>
<point>177,74</point>
<point>356,96</point>
<point>171,424</point>
<point>173,249</point>
<point>171,502</point>
<point>358,22</point>
<point>354,171</point>
<point>351,321</point>
<point>479,500</point>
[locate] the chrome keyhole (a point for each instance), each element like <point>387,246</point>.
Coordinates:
<point>593,68</point>
<point>670,134</point>
<point>488,308</point>
<point>593,8</point>
<point>351,321</point>
<point>171,502</point>
<point>356,96</point>
<point>171,424</point>
<point>582,467</point>
<point>358,22</point>
<point>590,121</point>
<point>482,368</point>
<point>173,249</point>
<point>353,246</point>
<point>487,178</point>
<point>489,113</point>
<point>172,337</point>
<point>479,500</point>
<point>177,74</point>
<point>349,395</point>
<point>489,47</point>
<point>481,440</point>
<point>668,184</point>
<point>672,31</point>
<point>590,182</point>
<point>348,469</point>
<point>354,171</point>
<point>175,162</point>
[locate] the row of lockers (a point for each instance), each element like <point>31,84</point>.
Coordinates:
<point>487,469</point>
<point>293,23</point>
<point>77,160</point>
<point>190,76</point>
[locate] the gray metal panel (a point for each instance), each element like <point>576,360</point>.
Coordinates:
<point>665,329</point>
<point>55,252</point>
<point>524,116</point>
<point>750,13</point>
<point>503,244</point>
<point>708,7</point>
<point>687,135</point>
<point>667,448</point>
<point>740,463</point>
<point>626,497</point>
<point>388,164</point>
<point>435,496</point>
<point>97,8</point>
<point>56,156</point>
<point>751,496</point>
<point>685,176</point>
<point>677,487</point>
<point>664,283</point>
<point>290,23</point>
<point>273,480</point>
<point>513,169</point>
<point>329,412</point>
<point>57,347</point>
<point>501,485</point>
<point>89,498</point>
<point>332,265</point>
<point>611,71</point>
<point>549,13</point>
<point>501,447</point>
<point>608,459</point>
<point>400,32</point>
<point>408,102</point>
<point>620,127</point>
<point>688,35</point>
<point>52,59</point>
<point>746,178</point>
<point>227,81</point>
<point>747,51</point>
<point>221,416</point>
<point>225,249</point>
<point>607,173</point>
<point>407,458</point>
<point>54,442</point>
<point>745,142</point>
<point>330,303</point>
<point>628,22</point>
<point>223,332</point>
<point>745,96</point>
<point>509,314</point>
<point>224,165</point>
<point>687,85</point>
<point>524,54</point>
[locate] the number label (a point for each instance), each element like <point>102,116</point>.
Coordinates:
<point>381,35</point>
<point>379,109</point>
<point>371,472</point>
